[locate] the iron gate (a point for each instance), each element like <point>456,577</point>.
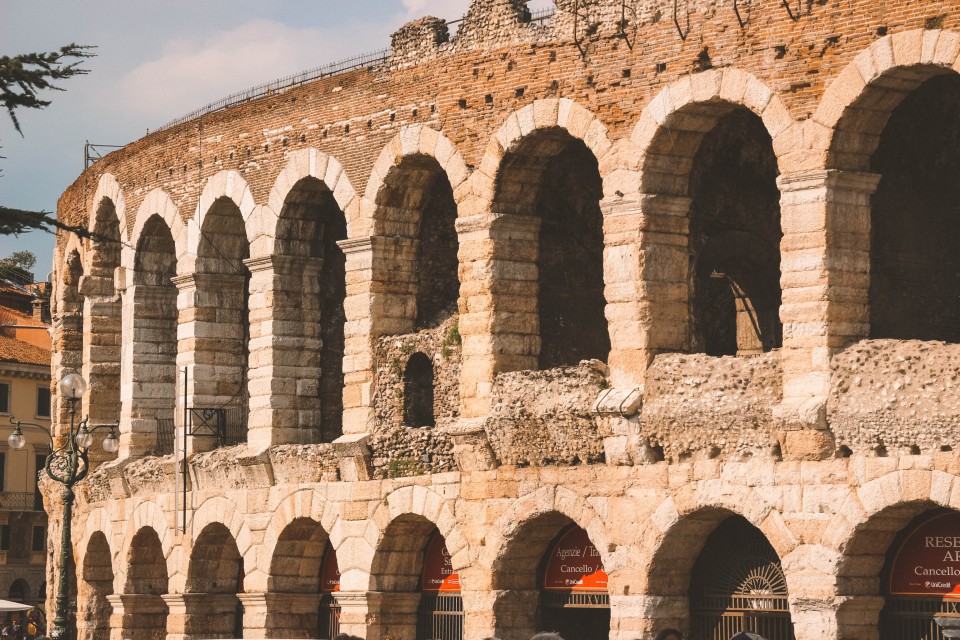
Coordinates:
<point>738,585</point>
<point>440,617</point>
<point>912,618</point>
<point>329,617</point>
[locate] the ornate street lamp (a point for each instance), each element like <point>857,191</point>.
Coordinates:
<point>68,465</point>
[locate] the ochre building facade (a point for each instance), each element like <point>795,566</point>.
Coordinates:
<point>681,276</point>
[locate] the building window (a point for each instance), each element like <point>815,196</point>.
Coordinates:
<point>39,538</point>
<point>4,537</point>
<point>3,470</point>
<point>43,402</point>
<point>4,397</point>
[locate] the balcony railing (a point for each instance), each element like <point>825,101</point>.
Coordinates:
<point>20,501</point>
<point>227,425</point>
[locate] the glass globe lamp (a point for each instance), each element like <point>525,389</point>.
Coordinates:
<point>73,386</point>
<point>111,443</point>
<point>16,439</point>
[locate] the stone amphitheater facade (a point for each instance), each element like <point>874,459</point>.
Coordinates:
<point>671,265</point>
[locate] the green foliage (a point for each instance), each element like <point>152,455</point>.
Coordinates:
<point>22,259</point>
<point>23,76</point>
<point>405,467</point>
<point>452,338</point>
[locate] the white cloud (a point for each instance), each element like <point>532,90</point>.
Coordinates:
<point>195,71</point>
<point>446,9</point>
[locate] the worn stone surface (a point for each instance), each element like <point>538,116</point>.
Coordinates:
<point>558,183</point>
<point>545,417</point>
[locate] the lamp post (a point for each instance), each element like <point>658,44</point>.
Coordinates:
<point>67,465</point>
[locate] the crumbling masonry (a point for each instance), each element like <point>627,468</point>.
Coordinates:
<point>659,273</point>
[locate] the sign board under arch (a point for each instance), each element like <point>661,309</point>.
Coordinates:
<point>438,574</point>
<point>574,564</point>
<point>927,562</point>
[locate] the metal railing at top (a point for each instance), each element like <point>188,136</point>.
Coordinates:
<point>279,85</point>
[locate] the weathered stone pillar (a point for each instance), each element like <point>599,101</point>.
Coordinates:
<point>67,356</point>
<point>515,613</point>
<point>825,278</point>
<point>148,372</point>
<point>210,338</point>
<point>102,320</point>
<point>664,280</point>
<point>478,613</point>
<point>285,344</point>
<point>857,618</point>
<point>375,615</point>
<point>280,615</point>
<point>381,300</point>
<point>642,615</point>
<point>137,616</point>
<point>498,302</point>
<point>197,616</point>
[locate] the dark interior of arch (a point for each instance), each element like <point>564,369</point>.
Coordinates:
<point>734,239</point>
<point>106,244</point>
<point>147,572</point>
<point>72,301</point>
<point>18,590</point>
<point>915,265</point>
<point>154,266</point>
<point>221,251</point>
<point>555,177</point>
<point>418,391</point>
<point>311,223</point>
<point>295,567</point>
<point>97,575</point>
<point>416,202</point>
<point>398,562</point>
<point>215,563</point>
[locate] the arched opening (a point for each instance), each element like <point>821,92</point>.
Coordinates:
<point>103,322</point>
<point>220,328</point>
<point>411,563</point>
<point>152,312</point>
<point>415,206</point>
<point>329,611</point>
<point>216,571</point>
<point>418,392</point>
<point>542,591</point>
<point>915,229</point>
<point>146,583</point>
<point>299,609</point>
<point>738,585</point>
<point>308,313</point>
<point>96,583</point>
<point>918,580</point>
<point>734,239</point>
<point>18,591</point>
<point>555,289</point>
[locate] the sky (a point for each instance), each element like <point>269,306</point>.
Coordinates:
<point>159,60</point>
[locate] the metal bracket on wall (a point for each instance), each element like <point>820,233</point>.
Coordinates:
<point>736,10</point>
<point>622,27</point>
<point>793,16</point>
<point>676,19</point>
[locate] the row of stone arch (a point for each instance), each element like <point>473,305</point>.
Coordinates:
<point>619,244</point>
<point>832,578</point>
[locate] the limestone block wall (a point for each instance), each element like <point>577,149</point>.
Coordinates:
<point>830,443</point>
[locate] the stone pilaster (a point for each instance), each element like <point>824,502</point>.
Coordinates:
<point>280,615</point>
<point>498,302</point>
<point>195,616</point>
<point>137,616</point>
<point>148,375</point>
<point>102,320</point>
<point>379,615</point>
<point>381,277</point>
<point>825,278</point>
<point>285,344</point>
<point>210,338</point>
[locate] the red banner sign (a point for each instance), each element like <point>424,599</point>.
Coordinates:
<point>928,561</point>
<point>574,564</point>
<point>438,573</point>
<point>329,571</point>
